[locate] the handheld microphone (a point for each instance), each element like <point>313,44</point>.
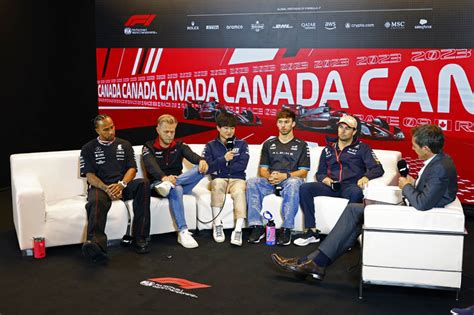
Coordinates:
<point>403,168</point>
<point>230,143</point>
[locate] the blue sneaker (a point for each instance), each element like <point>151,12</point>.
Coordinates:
<point>463,311</point>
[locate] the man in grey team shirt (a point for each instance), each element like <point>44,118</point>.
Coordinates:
<point>284,164</point>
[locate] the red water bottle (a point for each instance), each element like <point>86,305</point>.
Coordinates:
<point>39,247</point>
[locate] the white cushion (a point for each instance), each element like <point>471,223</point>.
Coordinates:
<point>66,221</point>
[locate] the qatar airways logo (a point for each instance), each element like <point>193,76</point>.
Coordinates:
<point>308,25</point>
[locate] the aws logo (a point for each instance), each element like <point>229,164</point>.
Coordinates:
<point>182,284</point>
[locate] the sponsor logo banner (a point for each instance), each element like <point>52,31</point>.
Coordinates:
<point>390,90</point>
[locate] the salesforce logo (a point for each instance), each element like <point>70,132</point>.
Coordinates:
<point>423,25</point>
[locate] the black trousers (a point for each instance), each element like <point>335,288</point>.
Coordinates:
<point>345,232</point>
<point>99,203</point>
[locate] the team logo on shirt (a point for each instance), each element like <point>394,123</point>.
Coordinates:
<point>328,152</point>
<point>294,147</point>
<point>99,156</point>
<point>120,153</point>
<point>273,146</point>
<point>352,151</point>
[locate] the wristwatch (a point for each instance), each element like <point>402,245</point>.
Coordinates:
<point>122,183</point>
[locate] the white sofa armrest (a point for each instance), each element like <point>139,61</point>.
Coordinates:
<point>389,178</point>
<point>391,217</point>
<point>29,209</point>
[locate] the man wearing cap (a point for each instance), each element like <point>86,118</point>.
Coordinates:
<point>345,166</point>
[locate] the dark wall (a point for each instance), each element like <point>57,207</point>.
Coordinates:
<point>48,78</point>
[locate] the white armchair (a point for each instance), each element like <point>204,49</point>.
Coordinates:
<point>403,246</point>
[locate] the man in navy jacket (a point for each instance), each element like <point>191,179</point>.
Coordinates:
<point>436,186</point>
<point>227,158</point>
<point>345,166</point>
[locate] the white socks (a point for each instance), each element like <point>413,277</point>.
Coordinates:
<point>217,218</point>
<point>238,224</point>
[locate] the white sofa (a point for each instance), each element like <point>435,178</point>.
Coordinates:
<point>406,247</point>
<point>48,197</point>
<point>328,209</point>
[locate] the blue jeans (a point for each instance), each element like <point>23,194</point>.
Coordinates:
<point>184,185</point>
<point>259,187</point>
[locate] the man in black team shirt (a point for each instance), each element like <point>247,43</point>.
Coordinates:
<point>163,159</point>
<point>109,165</point>
<point>284,164</point>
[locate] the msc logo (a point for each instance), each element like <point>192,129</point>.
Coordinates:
<point>395,25</point>
<point>144,20</point>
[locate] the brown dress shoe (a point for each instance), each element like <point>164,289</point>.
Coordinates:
<point>284,260</point>
<point>309,268</point>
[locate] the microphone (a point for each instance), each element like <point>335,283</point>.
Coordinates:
<point>403,168</point>
<point>230,143</point>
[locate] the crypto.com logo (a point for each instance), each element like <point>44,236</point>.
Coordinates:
<point>163,284</point>
<point>144,19</point>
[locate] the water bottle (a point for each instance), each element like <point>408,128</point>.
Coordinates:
<point>270,233</point>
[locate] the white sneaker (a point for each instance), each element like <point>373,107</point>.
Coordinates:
<point>307,238</point>
<point>163,188</point>
<point>218,233</point>
<point>186,239</point>
<point>236,238</point>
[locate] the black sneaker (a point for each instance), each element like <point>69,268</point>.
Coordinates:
<point>307,238</point>
<point>258,233</point>
<point>284,237</point>
<point>93,251</point>
<point>141,246</point>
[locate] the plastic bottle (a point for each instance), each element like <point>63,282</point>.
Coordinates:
<point>270,233</point>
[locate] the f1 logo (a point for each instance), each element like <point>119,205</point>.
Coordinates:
<point>182,283</point>
<point>144,20</point>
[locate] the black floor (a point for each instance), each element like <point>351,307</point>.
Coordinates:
<point>241,280</point>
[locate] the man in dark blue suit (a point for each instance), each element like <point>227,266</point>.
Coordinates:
<point>436,186</point>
